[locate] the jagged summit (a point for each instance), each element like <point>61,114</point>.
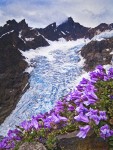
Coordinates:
<point>68,30</point>
<point>69,20</point>
<point>51,26</point>
<point>23,24</point>
<point>14,22</point>
<point>11,22</point>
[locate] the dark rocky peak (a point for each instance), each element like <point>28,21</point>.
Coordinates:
<point>51,26</point>
<point>11,22</point>
<point>49,32</point>
<point>72,29</point>
<point>97,30</point>
<point>68,30</point>
<point>22,24</point>
<point>13,25</point>
<point>69,21</point>
<point>8,27</point>
<point>67,25</point>
<point>102,27</point>
<point>111,25</point>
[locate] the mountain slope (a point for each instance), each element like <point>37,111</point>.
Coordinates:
<point>97,52</point>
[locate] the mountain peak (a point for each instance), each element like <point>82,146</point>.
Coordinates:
<point>11,22</point>
<point>23,23</point>
<point>70,20</point>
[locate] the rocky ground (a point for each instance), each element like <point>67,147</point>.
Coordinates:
<point>97,52</point>
<point>70,142</point>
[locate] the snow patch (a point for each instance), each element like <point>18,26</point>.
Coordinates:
<point>20,36</point>
<point>107,49</point>
<point>63,33</point>
<point>29,39</point>
<point>111,53</point>
<point>7,33</point>
<point>103,35</point>
<point>29,69</point>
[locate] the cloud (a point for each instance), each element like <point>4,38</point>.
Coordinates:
<point>39,13</point>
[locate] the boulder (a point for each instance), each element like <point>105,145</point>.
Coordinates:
<point>32,146</point>
<point>71,142</point>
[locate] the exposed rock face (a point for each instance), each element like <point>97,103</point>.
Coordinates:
<point>71,30</point>
<point>12,78</point>
<point>70,142</point>
<point>32,146</point>
<point>97,52</point>
<point>68,30</point>
<point>97,30</point>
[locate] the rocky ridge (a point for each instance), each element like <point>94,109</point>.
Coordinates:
<point>97,52</point>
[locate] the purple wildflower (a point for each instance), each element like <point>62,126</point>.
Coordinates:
<point>82,118</point>
<point>110,73</point>
<point>111,97</point>
<point>102,115</point>
<point>90,87</point>
<point>7,143</point>
<point>105,131</point>
<point>56,118</point>
<point>92,114</point>
<point>34,124</point>
<point>90,95</point>
<point>81,108</point>
<point>3,144</point>
<point>80,88</point>
<point>71,108</point>
<point>83,131</point>
<point>89,101</point>
<point>26,125</point>
<point>14,134</point>
<point>74,95</point>
<point>100,67</point>
<point>93,76</point>
<point>38,117</point>
<point>84,81</point>
<point>59,107</point>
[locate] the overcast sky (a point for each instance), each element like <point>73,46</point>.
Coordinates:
<point>40,13</point>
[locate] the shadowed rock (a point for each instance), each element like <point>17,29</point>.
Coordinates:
<point>32,146</point>
<point>71,142</point>
<point>97,52</point>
